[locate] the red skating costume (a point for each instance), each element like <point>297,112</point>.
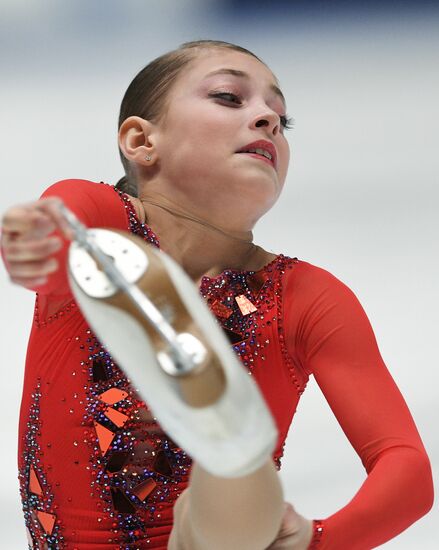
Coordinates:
<point>96,470</point>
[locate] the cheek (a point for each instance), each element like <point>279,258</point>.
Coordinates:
<point>204,126</point>
<point>188,160</point>
<point>285,161</point>
<point>196,146</point>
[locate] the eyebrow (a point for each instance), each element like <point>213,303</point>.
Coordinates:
<point>242,74</point>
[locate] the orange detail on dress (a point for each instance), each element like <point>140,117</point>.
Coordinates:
<point>112,396</point>
<point>116,417</point>
<point>34,484</point>
<point>245,305</point>
<point>105,437</point>
<point>47,521</point>
<point>220,310</point>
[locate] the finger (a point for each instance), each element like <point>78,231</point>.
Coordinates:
<point>28,251</point>
<point>16,220</point>
<point>51,208</point>
<point>35,220</point>
<point>29,282</point>
<point>32,269</point>
<point>288,507</point>
<point>26,223</point>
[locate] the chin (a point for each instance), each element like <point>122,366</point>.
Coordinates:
<point>257,201</point>
<point>265,186</point>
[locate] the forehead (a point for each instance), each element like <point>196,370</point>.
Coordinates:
<point>209,63</point>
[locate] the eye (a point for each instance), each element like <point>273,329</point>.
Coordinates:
<point>286,122</point>
<point>229,97</point>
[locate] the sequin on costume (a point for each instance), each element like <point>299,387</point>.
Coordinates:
<point>96,469</point>
<point>42,527</point>
<point>135,466</point>
<point>136,471</point>
<point>318,528</point>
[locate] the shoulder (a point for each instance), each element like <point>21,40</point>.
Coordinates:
<point>307,275</point>
<point>311,284</point>
<point>322,314</point>
<point>76,187</point>
<point>96,204</point>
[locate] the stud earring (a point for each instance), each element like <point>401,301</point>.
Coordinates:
<point>148,158</point>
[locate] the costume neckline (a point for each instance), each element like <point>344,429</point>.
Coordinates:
<point>229,272</point>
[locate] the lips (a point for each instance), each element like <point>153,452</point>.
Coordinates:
<point>263,146</point>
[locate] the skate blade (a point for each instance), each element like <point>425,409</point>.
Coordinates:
<point>141,265</point>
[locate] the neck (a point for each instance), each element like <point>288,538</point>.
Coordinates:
<point>198,245</point>
<point>178,212</point>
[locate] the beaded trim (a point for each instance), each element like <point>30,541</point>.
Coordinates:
<point>286,356</point>
<point>43,528</point>
<point>136,227</point>
<point>108,429</point>
<point>70,306</point>
<point>135,466</point>
<point>318,528</point>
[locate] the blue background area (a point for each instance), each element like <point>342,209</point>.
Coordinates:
<point>327,6</point>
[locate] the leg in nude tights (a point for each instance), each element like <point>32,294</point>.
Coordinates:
<point>242,513</point>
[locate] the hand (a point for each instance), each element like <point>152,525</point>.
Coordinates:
<point>295,532</point>
<point>27,248</point>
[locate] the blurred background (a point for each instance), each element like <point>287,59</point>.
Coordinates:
<point>361,199</point>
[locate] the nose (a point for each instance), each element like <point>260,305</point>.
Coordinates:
<point>269,120</point>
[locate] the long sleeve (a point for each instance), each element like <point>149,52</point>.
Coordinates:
<point>332,339</point>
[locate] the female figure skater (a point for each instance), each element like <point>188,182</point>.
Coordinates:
<point>202,141</point>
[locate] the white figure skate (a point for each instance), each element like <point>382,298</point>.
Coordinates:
<point>148,313</point>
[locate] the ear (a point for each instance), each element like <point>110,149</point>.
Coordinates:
<point>136,140</point>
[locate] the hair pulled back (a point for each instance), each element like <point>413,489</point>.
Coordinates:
<point>147,94</point>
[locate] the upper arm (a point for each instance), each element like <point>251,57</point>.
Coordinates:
<point>338,346</point>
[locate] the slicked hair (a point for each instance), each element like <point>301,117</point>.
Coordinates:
<point>147,94</point>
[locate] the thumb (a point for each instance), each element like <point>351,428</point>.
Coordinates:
<point>291,520</point>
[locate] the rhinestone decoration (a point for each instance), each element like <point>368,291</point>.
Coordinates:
<point>317,534</point>
<point>136,471</point>
<point>135,466</point>
<point>43,529</point>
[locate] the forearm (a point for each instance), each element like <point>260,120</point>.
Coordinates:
<point>396,493</point>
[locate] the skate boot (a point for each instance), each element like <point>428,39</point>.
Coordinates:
<point>149,315</point>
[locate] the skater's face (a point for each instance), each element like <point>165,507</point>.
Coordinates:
<point>222,104</point>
